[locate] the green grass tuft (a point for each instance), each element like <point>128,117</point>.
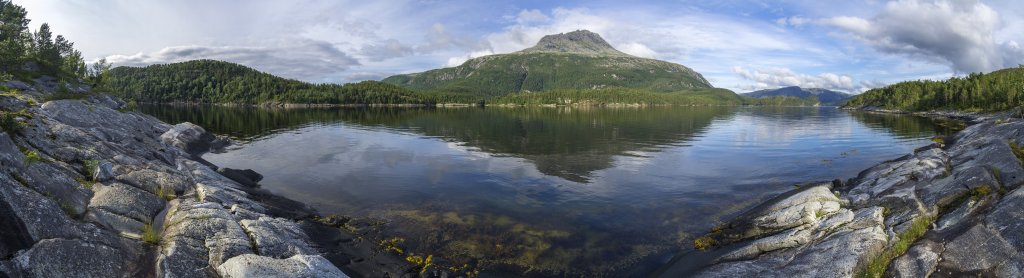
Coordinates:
<point>876,268</point>
<point>166,193</point>
<point>1017,151</point>
<point>149,234</point>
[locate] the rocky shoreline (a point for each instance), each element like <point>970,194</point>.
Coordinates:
<point>950,209</point>
<point>88,190</point>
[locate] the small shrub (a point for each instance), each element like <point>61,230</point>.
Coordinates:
<point>131,106</point>
<point>149,234</point>
<point>9,123</point>
<point>31,156</point>
<point>980,191</point>
<point>89,168</point>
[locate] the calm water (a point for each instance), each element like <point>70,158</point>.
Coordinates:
<point>550,191</point>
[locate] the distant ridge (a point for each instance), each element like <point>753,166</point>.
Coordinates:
<point>824,96</point>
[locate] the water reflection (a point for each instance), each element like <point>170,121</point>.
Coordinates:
<point>550,192</point>
<point>570,143</point>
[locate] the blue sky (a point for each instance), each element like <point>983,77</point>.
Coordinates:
<point>740,45</point>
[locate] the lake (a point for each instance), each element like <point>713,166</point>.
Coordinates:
<point>550,191</point>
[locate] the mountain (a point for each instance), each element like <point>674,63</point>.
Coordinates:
<point>574,60</point>
<point>995,91</point>
<point>824,96</point>
<point>210,81</point>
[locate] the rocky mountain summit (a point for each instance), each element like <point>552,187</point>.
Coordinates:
<point>951,209</point>
<point>87,190</point>
<point>576,42</point>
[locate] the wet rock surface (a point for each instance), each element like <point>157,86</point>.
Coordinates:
<point>952,209</point>
<point>87,190</point>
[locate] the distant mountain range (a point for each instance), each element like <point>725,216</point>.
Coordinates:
<point>827,97</point>
<point>574,60</point>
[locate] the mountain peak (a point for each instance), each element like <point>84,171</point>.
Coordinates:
<point>579,42</point>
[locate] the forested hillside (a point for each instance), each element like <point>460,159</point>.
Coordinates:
<point>209,81</point>
<point>994,91</point>
<point>576,60</point>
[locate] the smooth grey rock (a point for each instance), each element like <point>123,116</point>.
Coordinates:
<point>792,209</point>
<point>1008,218</point>
<point>295,266</point>
<point>919,261</point>
<point>42,218</point>
<point>979,249</point>
<point>197,237</point>
<point>10,103</point>
<point>155,179</point>
<point>73,258</point>
<point>13,236</point>
<point>277,237</point>
<point>17,85</point>
<point>123,208</point>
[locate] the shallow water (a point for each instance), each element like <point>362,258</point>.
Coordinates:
<point>550,191</point>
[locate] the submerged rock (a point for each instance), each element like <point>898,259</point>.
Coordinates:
<point>245,177</point>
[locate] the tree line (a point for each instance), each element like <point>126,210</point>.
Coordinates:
<point>54,55</point>
<point>994,91</point>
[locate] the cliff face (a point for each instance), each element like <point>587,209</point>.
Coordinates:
<point>952,208</point>
<point>89,191</point>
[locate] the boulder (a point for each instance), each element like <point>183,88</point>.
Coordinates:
<point>245,177</point>
<point>192,139</point>
<point>103,172</point>
<point>296,266</point>
<point>277,237</point>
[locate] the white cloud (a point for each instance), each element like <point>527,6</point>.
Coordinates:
<point>530,16</point>
<point>783,77</point>
<point>793,21</point>
<point>303,59</point>
<point>959,33</point>
<point>637,49</point>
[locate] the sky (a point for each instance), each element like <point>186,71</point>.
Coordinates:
<point>849,46</point>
